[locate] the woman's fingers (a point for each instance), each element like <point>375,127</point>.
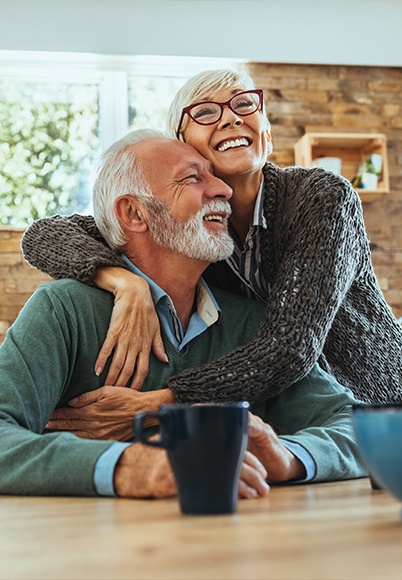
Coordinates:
<point>158,348</point>
<point>134,330</point>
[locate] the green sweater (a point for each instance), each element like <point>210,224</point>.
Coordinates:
<point>48,358</point>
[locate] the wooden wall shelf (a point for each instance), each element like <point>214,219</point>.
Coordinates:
<point>352,148</point>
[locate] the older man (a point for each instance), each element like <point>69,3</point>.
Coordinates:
<point>169,219</point>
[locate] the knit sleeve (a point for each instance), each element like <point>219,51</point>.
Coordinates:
<point>320,238</point>
<point>68,247</point>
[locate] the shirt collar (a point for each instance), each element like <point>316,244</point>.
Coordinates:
<point>258,217</point>
<point>206,314</point>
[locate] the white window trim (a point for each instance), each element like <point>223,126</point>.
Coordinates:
<point>110,72</point>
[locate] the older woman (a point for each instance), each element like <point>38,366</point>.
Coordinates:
<point>300,247</point>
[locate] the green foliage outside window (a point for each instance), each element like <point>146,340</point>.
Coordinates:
<point>48,147</point>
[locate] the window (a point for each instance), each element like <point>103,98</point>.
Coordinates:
<point>59,111</point>
<point>149,98</point>
<point>48,146</point>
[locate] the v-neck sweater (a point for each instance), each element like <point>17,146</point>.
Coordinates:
<point>325,304</point>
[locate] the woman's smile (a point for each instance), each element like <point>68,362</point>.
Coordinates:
<point>236,145</point>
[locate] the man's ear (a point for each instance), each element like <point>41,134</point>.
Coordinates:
<point>131,214</point>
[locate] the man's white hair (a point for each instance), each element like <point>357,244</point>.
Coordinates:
<point>120,173</point>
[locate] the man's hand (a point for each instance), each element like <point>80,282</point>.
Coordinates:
<point>253,478</point>
<point>144,472</point>
<point>280,463</point>
<point>107,413</point>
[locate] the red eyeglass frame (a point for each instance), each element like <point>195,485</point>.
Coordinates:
<point>186,110</point>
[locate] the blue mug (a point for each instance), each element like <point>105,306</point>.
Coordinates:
<point>206,445</point>
<point>378,430</point>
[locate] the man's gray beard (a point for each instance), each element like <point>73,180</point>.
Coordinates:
<point>191,237</point>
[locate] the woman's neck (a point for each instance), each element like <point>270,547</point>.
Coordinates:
<point>245,192</point>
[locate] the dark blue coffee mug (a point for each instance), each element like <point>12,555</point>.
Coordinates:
<point>206,445</point>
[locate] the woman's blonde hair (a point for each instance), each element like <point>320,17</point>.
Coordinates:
<point>201,87</point>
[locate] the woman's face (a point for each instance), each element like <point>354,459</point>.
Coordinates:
<point>235,145</point>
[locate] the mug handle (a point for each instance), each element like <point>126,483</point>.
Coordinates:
<point>143,437</point>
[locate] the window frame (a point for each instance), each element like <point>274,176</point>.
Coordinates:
<point>112,74</point>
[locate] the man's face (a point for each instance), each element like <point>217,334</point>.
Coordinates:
<point>189,212</point>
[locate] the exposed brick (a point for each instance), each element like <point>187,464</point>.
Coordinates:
<point>9,244</point>
<point>390,109</point>
<point>17,279</point>
<point>11,259</point>
<point>300,98</point>
<point>359,99</point>
<point>306,96</point>
<point>385,86</point>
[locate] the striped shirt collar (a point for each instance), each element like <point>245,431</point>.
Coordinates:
<point>246,261</point>
<point>259,217</point>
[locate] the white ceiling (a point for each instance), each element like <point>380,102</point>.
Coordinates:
<point>362,32</point>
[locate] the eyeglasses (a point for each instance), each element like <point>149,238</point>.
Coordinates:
<point>210,112</point>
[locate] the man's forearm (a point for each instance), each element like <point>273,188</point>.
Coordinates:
<point>144,472</point>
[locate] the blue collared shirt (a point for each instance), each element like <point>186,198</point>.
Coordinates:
<point>206,314</point>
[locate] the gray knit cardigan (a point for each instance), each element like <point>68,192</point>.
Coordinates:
<point>324,305</point>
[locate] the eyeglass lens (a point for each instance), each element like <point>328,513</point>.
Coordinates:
<point>207,113</point>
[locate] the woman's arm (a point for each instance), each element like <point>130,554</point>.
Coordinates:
<point>68,247</point>
<point>72,247</point>
<point>322,251</point>
<point>133,330</point>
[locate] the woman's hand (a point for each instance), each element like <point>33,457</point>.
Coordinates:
<point>107,413</point>
<point>133,331</point>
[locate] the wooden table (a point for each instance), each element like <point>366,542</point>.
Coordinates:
<point>325,531</point>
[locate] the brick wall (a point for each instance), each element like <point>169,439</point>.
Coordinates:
<point>299,98</point>
<point>315,98</point>
<point>17,279</point>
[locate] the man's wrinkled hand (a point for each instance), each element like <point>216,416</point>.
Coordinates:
<point>279,462</point>
<point>143,472</point>
<point>253,478</point>
<point>107,412</point>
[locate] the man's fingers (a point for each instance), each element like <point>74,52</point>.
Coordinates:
<point>82,400</point>
<point>253,478</point>
<point>62,425</point>
<point>252,461</point>
<point>247,492</point>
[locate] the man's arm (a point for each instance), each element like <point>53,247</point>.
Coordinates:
<point>316,414</point>
<point>35,368</point>
<point>280,463</point>
<point>39,365</point>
